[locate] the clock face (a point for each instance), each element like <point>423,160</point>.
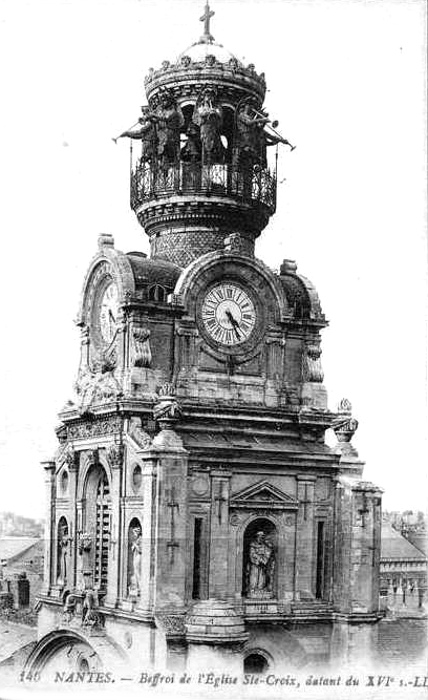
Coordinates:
<point>108,311</point>
<point>228,314</point>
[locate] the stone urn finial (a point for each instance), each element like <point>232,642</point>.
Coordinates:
<point>345,426</point>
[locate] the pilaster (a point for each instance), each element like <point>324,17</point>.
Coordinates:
<point>171,529</point>
<point>305,536</point>
<point>365,546</point>
<point>73,475</point>
<point>148,532</point>
<point>49,467</point>
<point>219,536</point>
<point>115,457</point>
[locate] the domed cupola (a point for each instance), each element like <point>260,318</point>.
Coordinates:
<point>200,170</point>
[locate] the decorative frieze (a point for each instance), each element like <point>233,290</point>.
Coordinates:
<point>83,430</point>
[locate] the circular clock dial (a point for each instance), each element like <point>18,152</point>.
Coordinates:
<point>109,307</point>
<point>228,314</point>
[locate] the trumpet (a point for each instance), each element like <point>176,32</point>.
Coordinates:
<point>115,139</point>
<point>272,126</point>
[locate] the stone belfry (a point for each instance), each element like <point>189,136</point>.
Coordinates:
<point>196,514</point>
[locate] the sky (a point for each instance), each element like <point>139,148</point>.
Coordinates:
<point>346,80</point>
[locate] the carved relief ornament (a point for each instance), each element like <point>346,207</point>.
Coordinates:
<point>96,428</point>
<point>141,351</point>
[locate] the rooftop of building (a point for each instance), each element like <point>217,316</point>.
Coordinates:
<point>11,547</point>
<point>395,546</point>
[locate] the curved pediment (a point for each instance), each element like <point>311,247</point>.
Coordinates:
<point>263,495</point>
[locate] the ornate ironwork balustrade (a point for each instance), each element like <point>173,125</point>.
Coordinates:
<point>255,187</point>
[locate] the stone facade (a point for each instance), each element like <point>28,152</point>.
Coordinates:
<point>195,511</point>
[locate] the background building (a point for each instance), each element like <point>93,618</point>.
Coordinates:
<point>21,574</point>
<point>403,574</point>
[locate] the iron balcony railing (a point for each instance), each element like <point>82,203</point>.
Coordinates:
<point>254,187</point>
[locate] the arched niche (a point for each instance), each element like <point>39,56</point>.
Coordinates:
<point>259,561</point>
<point>187,110</point>
<point>134,558</point>
<point>228,128</point>
<point>63,481</point>
<point>63,540</point>
<point>157,293</point>
<point>136,478</point>
<point>97,526</point>
<point>256,662</point>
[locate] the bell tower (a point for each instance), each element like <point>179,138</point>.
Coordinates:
<point>201,172</point>
<point>195,512</point>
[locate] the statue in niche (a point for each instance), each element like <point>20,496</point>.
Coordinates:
<point>142,351</point>
<point>84,549</point>
<point>135,551</point>
<point>169,120</point>
<point>63,541</point>
<point>146,134</point>
<point>260,567</point>
<point>209,117</point>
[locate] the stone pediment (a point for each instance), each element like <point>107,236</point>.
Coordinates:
<point>265,496</point>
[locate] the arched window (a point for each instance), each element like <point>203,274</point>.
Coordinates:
<point>97,516</point>
<point>228,131</point>
<point>102,532</point>
<point>259,561</point>
<point>134,557</point>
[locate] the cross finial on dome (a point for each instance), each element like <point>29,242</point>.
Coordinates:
<point>207,37</point>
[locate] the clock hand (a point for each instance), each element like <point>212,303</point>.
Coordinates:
<point>234,322</point>
<point>111,317</point>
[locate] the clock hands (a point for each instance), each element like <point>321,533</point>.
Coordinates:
<point>111,316</point>
<point>234,323</point>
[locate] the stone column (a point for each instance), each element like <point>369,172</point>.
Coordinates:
<point>50,534</point>
<point>305,548</point>
<point>219,534</point>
